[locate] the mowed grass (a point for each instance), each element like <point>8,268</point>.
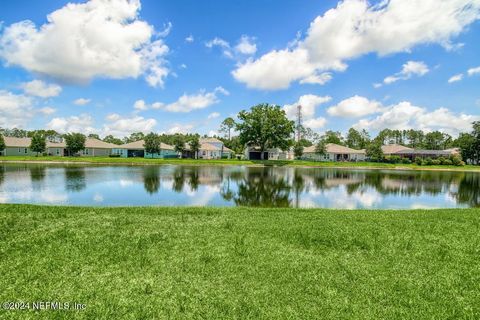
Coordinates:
<point>223,162</point>
<point>244,263</point>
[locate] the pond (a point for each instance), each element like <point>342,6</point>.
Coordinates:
<point>173,185</point>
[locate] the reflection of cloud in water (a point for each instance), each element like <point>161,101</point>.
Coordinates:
<point>340,198</point>
<point>203,197</point>
<point>4,199</point>
<point>54,197</point>
<point>98,197</point>
<point>125,183</point>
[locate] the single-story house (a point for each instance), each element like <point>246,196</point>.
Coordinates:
<point>210,148</point>
<point>21,147</point>
<point>137,150</point>
<point>334,152</point>
<point>412,154</point>
<point>253,153</point>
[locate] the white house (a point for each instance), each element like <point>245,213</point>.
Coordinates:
<point>334,152</point>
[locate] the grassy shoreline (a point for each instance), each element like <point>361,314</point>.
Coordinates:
<point>241,262</point>
<point>228,162</point>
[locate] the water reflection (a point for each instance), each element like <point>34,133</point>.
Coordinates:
<point>237,186</point>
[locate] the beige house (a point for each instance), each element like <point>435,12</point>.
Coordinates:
<point>412,154</point>
<point>210,148</point>
<point>334,152</point>
<point>253,153</point>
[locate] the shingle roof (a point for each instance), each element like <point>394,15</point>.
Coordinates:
<point>334,148</point>
<point>25,143</point>
<point>210,140</point>
<point>394,148</point>
<point>140,145</point>
<point>98,144</point>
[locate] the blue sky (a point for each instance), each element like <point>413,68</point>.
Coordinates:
<point>113,67</point>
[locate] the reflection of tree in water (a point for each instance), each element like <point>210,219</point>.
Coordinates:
<point>193,178</point>
<point>2,174</point>
<point>75,179</point>
<point>151,179</point>
<point>469,190</point>
<point>37,172</point>
<point>178,179</point>
<point>262,188</point>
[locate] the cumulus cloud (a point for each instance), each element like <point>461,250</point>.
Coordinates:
<point>320,79</point>
<point>213,115</point>
<point>47,111</point>
<point>189,39</point>
<point>186,103</point>
<point>309,105</point>
<point>82,41</point>
<point>120,126</point>
<point>473,71</point>
<point>82,123</point>
<point>404,115</point>
<point>246,45</point>
<point>180,128</point>
<point>355,28</point>
<point>38,88</point>
<point>15,110</point>
<point>409,69</point>
<point>354,107</point>
<point>456,78</point>
<point>81,101</point>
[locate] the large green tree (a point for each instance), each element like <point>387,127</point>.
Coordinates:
<point>194,144</point>
<point>333,137</point>
<point>298,149</point>
<point>152,143</point>
<point>179,144</point>
<point>38,143</point>
<point>265,126</point>
<point>227,125</point>
<point>75,142</point>
<point>356,139</point>
<point>2,143</point>
<point>112,139</point>
<point>374,150</point>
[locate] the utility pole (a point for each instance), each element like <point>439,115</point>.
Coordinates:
<point>299,123</point>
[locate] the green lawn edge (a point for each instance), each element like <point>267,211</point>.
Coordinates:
<point>230,162</point>
<point>243,263</point>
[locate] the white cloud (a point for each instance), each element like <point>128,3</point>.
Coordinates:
<point>377,85</point>
<point>456,78</point>
<point>47,111</point>
<point>82,123</point>
<point>213,115</point>
<point>223,44</point>
<point>309,103</point>
<point>320,79</point>
<point>81,101</point>
<point>404,115</point>
<point>15,110</point>
<point>246,45</point>
<point>41,89</point>
<point>82,41</point>
<point>473,71</point>
<point>315,123</point>
<point>180,128</point>
<point>120,126</point>
<point>355,28</point>
<point>186,103</point>
<point>189,39</point>
<point>355,106</point>
<point>409,69</point>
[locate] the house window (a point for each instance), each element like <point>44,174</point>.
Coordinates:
<point>26,150</point>
<point>58,151</point>
<point>204,153</point>
<point>86,151</point>
<point>19,150</point>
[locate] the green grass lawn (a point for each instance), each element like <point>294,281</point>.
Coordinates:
<point>142,161</point>
<point>210,263</point>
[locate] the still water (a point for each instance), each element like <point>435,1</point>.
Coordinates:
<point>171,185</point>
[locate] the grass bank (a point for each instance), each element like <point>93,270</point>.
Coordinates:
<point>145,263</point>
<point>224,162</point>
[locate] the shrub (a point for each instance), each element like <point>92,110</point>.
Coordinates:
<point>394,159</point>
<point>114,156</point>
<point>428,161</point>
<point>447,162</point>
<point>457,161</point>
<point>442,160</point>
<point>436,162</point>
<point>406,161</point>
<point>419,161</point>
